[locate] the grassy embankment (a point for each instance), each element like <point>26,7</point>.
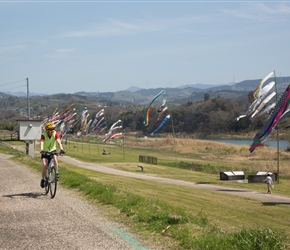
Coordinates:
<point>186,217</point>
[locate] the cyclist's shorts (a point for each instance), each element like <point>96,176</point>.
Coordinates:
<point>46,156</point>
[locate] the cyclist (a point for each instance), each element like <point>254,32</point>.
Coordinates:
<point>49,139</point>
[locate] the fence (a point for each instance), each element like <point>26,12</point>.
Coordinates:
<point>148,159</point>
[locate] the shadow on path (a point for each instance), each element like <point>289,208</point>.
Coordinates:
<point>275,203</point>
<point>231,190</point>
<point>27,195</point>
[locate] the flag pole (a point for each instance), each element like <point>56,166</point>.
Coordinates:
<point>277,128</point>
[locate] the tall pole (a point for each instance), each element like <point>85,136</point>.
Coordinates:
<point>123,147</point>
<point>28,101</point>
<point>277,128</point>
<point>28,112</point>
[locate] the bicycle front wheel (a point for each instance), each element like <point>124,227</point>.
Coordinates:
<point>52,182</point>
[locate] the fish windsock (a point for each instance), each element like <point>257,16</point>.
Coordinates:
<point>147,114</point>
<point>280,108</point>
<point>161,124</point>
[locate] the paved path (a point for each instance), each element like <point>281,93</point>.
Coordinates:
<point>231,191</point>
<point>31,220</point>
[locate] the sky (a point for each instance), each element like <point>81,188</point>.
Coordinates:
<point>109,46</point>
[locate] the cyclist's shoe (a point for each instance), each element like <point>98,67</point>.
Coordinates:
<point>57,176</point>
<point>42,183</point>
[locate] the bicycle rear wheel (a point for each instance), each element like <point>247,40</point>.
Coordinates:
<point>52,182</point>
<point>46,187</point>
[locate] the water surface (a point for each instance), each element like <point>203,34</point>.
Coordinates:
<point>283,144</point>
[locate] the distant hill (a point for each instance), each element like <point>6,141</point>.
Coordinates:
<point>197,86</point>
<point>181,94</point>
<point>195,92</point>
<point>23,94</point>
<point>133,89</point>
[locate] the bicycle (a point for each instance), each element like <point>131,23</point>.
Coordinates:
<point>50,175</point>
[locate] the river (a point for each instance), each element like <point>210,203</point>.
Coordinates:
<point>283,144</point>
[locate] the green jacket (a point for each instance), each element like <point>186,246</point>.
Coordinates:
<point>49,144</point>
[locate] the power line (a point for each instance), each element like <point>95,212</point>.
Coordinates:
<point>9,83</point>
<point>2,90</point>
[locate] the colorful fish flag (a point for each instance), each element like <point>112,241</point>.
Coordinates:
<point>147,114</point>
<point>259,98</point>
<point>256,93</point>
<point>110,134</point>
<point>161,124</point>
<point>281,110</point>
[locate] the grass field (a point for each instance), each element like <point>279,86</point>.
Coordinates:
<point>188,218</point>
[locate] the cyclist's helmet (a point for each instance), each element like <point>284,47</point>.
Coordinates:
<point>49,125</point>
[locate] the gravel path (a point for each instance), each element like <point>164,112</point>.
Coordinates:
<point>31,220</point>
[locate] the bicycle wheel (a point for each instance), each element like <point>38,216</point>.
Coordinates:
<point>52,182</point>
<point>46,185</point>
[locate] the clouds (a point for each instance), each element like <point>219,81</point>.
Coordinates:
<point>262,12</point>
<point>66,53</point>
<point>12,48</point>
<point>113,27</point>
<point>197,23</point>
<point>110,46</point>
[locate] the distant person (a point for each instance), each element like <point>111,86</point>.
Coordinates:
<point>269,182</point>
<point>49,139</point>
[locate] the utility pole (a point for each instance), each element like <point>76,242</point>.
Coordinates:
<point>28,112</point>
<point>277,129</point>
<point>28,101</point>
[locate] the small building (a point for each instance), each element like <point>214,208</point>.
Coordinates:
<point>260,177</point>
<point>232,175</point>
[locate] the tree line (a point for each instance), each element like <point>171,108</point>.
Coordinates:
<point>211,115</point>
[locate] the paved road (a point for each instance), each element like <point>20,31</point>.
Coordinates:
<point>231,191</point>
<point>31,220</point>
